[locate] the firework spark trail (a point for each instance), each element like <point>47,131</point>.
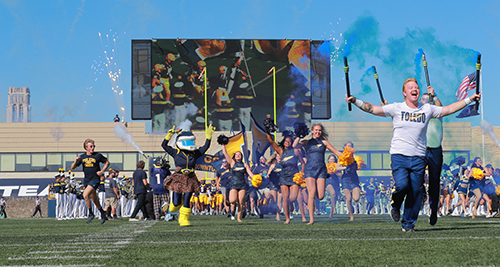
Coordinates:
<point>113,71</point>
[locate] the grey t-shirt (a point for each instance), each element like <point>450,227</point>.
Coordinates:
<point>109,184</point>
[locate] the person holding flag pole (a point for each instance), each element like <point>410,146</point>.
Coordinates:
<point>408,145</point>
<point>434,151</point>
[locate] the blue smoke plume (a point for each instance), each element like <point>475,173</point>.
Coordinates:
<point>396,60</point>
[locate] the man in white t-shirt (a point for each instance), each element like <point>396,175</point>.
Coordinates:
<point>408,146</point>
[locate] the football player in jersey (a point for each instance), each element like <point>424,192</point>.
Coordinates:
<point>223,176</point>
<point>203,197</point>
<point>158,174</point>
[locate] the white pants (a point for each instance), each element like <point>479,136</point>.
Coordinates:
<point>64,204</point>
<point>82,208</point>
<point>70,206</point>
<point>58,205</point>
<point>123,206</point>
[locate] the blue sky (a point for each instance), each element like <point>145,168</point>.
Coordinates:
<point>54,47</point>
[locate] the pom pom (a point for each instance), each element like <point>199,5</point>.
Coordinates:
<point>256,180</point>
<point>222,140</point>
<point>360,161</point>
<point>288,133</point>
<point>347,158</point>
<point>303,184</point>
<point>446,167</point>
<point>331,167</point>
<point>298,178</point>
<point>477,173</point>
<point>497,190</point>
<point>270,126</point>
<point>300,129</point>
<point>461,160</point>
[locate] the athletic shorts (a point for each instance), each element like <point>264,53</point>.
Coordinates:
<point>94,183</point>
<point>111,202</point>
<point>204,199</point>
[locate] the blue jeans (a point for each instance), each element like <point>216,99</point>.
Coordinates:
<point>434,158</point>
<point>408,173</point>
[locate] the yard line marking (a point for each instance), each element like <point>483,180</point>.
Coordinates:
<point>60,257</point>
<point>73,265</point>
<point>72,251</point>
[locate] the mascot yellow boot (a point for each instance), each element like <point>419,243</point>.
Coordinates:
<point>184,214</point>
<point>174,209</point>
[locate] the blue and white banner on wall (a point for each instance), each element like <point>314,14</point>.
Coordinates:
<point>25,187</point>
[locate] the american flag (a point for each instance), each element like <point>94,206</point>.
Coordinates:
<point>468,83</point>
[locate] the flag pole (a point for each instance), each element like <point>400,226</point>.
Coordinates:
<point>482,118</point>
<point>478,84</point>
<point>274,96</point>
<point>274,93</point>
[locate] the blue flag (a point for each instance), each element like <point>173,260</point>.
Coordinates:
<point>260,142</point>
<point>468,111</point>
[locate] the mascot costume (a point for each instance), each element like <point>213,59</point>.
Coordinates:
<point>184,182</point>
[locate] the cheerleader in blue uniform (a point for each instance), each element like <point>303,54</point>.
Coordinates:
<point>332,183</point>
<point>315,172</point>
<point>350,183</point>
<point>463,188</point>
<point>288,159</point>
<point>476,183</point>
<point>238,182</point>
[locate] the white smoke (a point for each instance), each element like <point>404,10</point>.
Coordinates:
<point>185,125</point>
<point>171,117</point>
<point>488,128</point>
<point>122,133</point>
<point>191,109</point>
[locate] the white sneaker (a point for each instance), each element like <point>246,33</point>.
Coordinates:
<point>232,218</point>
<point>168,217</point>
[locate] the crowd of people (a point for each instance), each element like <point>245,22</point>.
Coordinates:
<point>297,178</point>
<point>114,193</point>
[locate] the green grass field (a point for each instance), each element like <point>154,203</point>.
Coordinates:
<point>217,241</point>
